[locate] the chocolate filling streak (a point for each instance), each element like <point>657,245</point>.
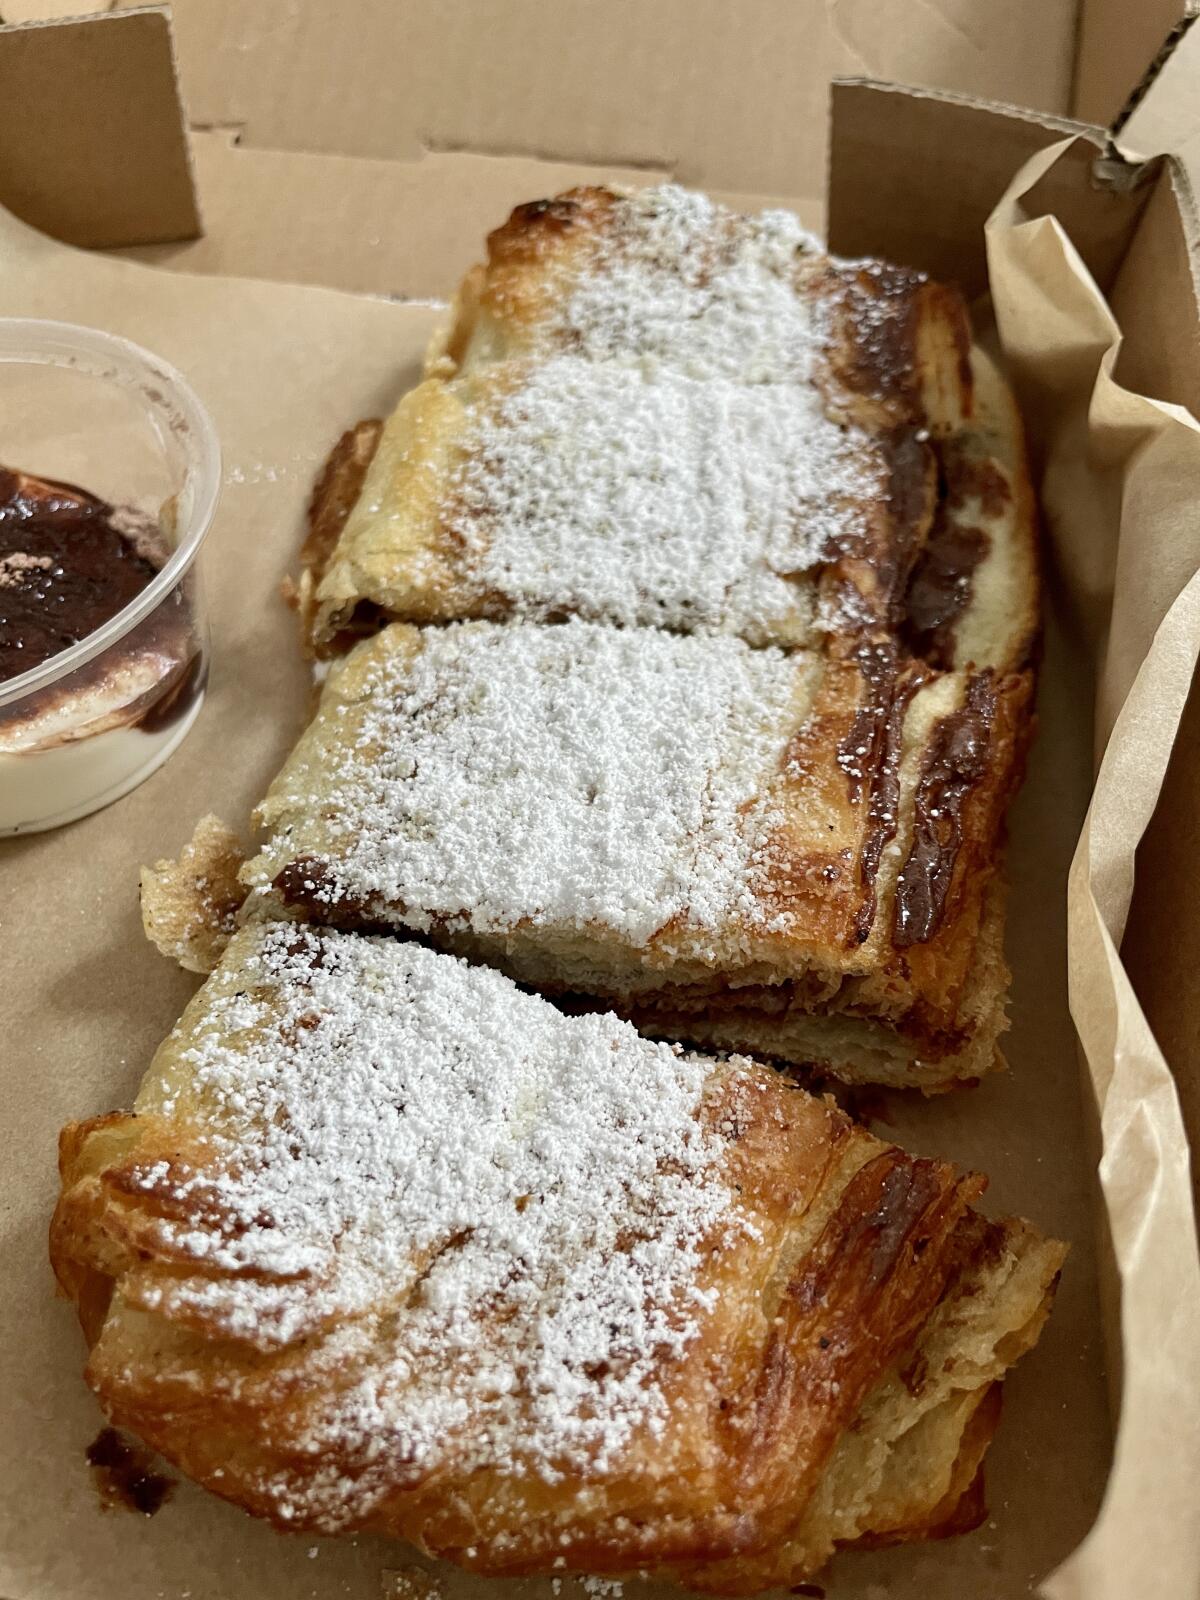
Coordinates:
<point>935,1032</point>
<point>940,590</point>
<point>869,755</point>
<point>865,569</point>
<point>954,763</point>
<point>126,1475</point>
<point>941,584</point>
<point>311,885</point>
<point>878,306</point>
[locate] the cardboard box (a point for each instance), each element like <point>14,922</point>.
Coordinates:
<point>526,105</point>
<point>319,131</point>
<point>1116,44</point>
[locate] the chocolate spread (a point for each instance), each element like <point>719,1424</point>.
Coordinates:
<point>940,589</point>
<point>877,302</point>
<point>868,559</point>
<point>66,568</point>
<point>942,582</point>
<point>869,755</point>
<point>955,762</point>
<point>125,1474</point>
<point>69,563</point>
<point>878,306</point>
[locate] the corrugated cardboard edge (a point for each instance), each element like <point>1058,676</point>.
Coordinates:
<point>544,83</point>
<point>1115,40</point>
<point>545,79</point>
<point>1153,73</point>
<point>93,141</point>
<point>891,147</point>
<point>406,229</point>
<point>1163,113</point>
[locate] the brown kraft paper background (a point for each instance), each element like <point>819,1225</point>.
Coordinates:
<point>1119,496</point>
<point>85,999</point>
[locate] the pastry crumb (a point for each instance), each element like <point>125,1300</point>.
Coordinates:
<point>410,1583</point>
<point>190,905</point>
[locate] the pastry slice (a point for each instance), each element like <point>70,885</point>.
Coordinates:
<point>666,277</point>
<point>570,487</point>
<point>387,1245</point>
<point>723,844</point>
<point>657,413</point>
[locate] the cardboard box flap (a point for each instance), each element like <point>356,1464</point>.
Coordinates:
<point>1163,113</point>
<point>333,139</point>
<point>50,10</point>
<point>431,93</point>
<point>914,176</point>
<point>93,145</point>
<point>1158,278</point>
<point>1116,42</point>
<point>727,97</point>
<point>401,228</point>
<point>407,229</point>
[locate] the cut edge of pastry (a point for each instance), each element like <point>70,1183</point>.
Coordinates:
<point>926,1012</point>
<point>190,903</point>
<point>941,1402</point>
<point>858,1050</point>
<point>333,498</point>
<point>973,595</point>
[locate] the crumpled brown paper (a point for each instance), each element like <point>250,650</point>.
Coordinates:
<point>1120,496</point>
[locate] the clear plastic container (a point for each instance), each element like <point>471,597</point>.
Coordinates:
<point>83,408</point>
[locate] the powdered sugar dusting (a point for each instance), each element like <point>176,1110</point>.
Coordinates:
<point>667,459</point>
<point>574,776</point>
<point>659,499</point>
<point>679,279</point>
<point>496,1213</point>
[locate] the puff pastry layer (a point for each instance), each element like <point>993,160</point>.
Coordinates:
<point>648,410</point>
<point>386,1244</point>
<point>794,850</point>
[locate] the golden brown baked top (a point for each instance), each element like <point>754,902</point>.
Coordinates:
<point>388,1244</point>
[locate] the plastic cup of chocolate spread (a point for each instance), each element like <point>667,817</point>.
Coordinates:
<point>109,477</point>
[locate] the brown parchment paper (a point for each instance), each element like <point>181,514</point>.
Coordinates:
<point>84,1000</point>
<point>1120,495</point>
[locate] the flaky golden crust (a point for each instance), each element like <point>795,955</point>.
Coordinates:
<point>334,495</point>
<point>841,1388</point>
